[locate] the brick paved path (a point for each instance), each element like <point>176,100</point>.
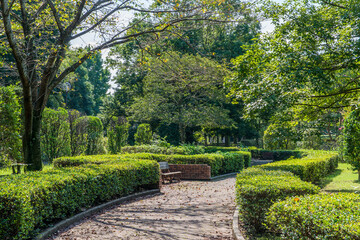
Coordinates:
<point>188,210</point>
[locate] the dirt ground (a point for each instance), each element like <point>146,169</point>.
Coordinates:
<point>187,210</point>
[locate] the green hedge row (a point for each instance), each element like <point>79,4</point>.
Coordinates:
<point>311,168</point>
<point>90,159</point>
<point>322,216</point>
<point>152,149</point>
<point>219,163</point>
<point>257,190</point>
<point>214,149</point>
<point>31,201</point>
<point>276,155</point>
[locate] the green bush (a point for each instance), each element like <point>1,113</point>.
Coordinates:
<point>321,216</point>
<point>282,135</point>
<point>219,163</point>
<point>257,190</point>
<point>143,134</point>
<point>311,168</point>
<point>91,159</point>
<point>117,132</point>
<point>152,149</point>
<point>34,200</point>
<point>214,149</point>
<point>55,134</point>
<point>10,126</point>
<point>215,161</point>
<point>276,155</point>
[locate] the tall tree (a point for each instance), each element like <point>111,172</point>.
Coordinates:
<point>39,32</point>
<point>310,60</point>
<point>185,90</point>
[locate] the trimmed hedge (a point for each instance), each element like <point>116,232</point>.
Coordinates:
<point>220,163</point>
<point>276,155</point>
<point>311,168</point>
<point>184,150</point>
<point>215,161</point>
<point>322,216</point>
<point>214,149</point>
<point>257,190</point>
<point>91,159</point>
<point>34,200</point>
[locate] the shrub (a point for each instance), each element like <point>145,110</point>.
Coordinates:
<point>152,149</point>
<point>55,134</point>
<point>117,133</point>
<point>93,128</point>
<point>10,125</point>
<point>78,133</point>
<point>311,168</point>
<point>215,161</point>
<point>257,190</point>
<point>321,216</point>
<point>276,155</point>
<point>143,134</point>
<point>34,200</point>
<point>92,159</point>
<point>280,136</point>
<point>214,149</point>
<point>219,163</point>
<point>351,140</point>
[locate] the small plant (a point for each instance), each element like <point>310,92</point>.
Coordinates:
<point>118,132</point>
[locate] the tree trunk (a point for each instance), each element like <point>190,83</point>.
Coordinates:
<point>182,131</point>
<point>31,144</point>
<point>227,141</point>
<point>205,140</point>
<point>359,175</point>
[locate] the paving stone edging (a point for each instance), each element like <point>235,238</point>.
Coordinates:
<point>67,222</point>
<point>235,226</point>
<point>223,176</point>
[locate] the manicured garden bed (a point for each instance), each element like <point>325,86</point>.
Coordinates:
<point>34,200</point>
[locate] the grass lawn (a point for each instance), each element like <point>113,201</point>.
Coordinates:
<point>344,179</point>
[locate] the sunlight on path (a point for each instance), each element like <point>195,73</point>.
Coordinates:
<point>187,210</point>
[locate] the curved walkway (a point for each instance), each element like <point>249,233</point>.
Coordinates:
<point>186,210</point>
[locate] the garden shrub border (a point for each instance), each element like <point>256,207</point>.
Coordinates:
<point>326,216</point>
<point>258,189</point>
<point>32,201</point>
<point>250,191</point>
<point>220,163</point>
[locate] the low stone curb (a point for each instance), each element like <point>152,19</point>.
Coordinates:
<point>223,176</point>
<point>67,222</point>
<point>235,226</point>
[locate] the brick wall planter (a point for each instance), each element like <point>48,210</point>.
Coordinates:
<point>192,171</point>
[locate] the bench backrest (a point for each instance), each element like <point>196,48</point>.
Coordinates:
<point>164,165</point>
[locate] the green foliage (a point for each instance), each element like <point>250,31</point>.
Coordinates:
<point>152,149</point>
<point>213,149</point>
<point>322,216</point>
<point>78,133</point>
<point>310,168</point>
<point>91,159</point>
<point>94,132</point>
<point>276,155</point>
<point>258,189</point>
<point>352,139</point>
<point>219,163</point>
<point>55,134</point>
<point>292,65</point>
<point>143,134</point>
<point>117,133</point>
<point>185,90</point>
<point>280,136</point>
<point>34,200</point>
<point>10,125</point>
